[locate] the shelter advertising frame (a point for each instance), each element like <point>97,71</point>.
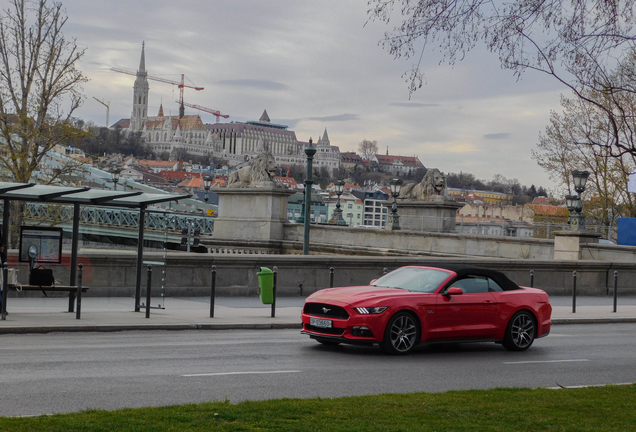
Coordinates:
<point>48,240</point>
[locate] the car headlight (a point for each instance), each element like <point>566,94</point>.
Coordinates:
<point>370,310</point>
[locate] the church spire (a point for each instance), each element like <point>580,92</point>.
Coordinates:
<point>160,110</point>
<point>142,62</point>
<point>325,138</point>
<point>139,114</point>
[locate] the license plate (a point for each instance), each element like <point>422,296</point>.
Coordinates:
<point>321,323</point>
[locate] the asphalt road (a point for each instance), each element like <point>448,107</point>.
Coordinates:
<point>62,372</point>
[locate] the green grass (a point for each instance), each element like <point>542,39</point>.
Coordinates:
<point>611,408</point>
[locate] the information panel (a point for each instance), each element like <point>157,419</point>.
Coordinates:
<point>47,240</point>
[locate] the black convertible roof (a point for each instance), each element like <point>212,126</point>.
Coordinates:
<point>461,270</point>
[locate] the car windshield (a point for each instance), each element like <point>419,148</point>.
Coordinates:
<point>413,279</point>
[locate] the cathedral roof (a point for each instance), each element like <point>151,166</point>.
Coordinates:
<point>160,111</point>
<point>185,122</point>
<point>123,123</point>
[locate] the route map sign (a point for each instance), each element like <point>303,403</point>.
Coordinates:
<point>47,240</point>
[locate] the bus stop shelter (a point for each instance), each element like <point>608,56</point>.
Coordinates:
<point>78,196</point>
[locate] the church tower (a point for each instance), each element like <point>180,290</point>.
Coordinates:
<point>139,114</point>
<point>324,140</point>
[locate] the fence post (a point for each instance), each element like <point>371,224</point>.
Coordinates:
<point>615,290</point>
<point>274,299</point>
<point>331,269</point>
<point>148,291</point>
<point>531,278</point>
<point>5,276</point>
<point>213,291</point>
<point>574,291</point>
<point>78,313</point>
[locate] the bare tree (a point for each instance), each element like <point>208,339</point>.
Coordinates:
<point>368,148</point>
<point>580,138</point>
<point>40,86</point>
<point>575,41</point>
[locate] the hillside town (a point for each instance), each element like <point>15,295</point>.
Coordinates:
<point>183,154</point>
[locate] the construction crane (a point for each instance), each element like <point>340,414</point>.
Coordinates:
<point>107,105</point>
<point>207,110</point>
<point>181,84</point>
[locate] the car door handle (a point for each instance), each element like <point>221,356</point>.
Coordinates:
<point>488,302</point>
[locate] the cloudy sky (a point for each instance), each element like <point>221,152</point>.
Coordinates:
<point>314,65</point>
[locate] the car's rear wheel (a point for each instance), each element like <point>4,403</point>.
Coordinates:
<point>401,334</point>
<point>520,332</point>
<point>328,342</point>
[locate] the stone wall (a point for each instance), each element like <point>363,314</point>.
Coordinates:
<point>113,273</point>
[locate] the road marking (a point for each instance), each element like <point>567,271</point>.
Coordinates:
<point>589,385</point>
<point>241,373</point>
<point>547,361</point>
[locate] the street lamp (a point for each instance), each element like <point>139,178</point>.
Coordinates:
<point>310,151</point>
<point>207,182</point>
<point>336,218</point>
<point>575,203</point>
<point>115,175</point>
<point>395,185</point>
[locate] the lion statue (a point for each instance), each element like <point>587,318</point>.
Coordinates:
<point>259,172</point>
<point>433,184</point>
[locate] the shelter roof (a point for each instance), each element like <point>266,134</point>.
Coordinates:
<point>81,195</point>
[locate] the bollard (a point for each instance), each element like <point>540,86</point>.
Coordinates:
<point>531,278</point>
<point>385,271</point>
<point>78,313</point>
<point>148,291</point>
<point>213,291</point>
<point>275,269</point>
<point>615,290</point>
<point>574,291</point>
<point>5,276</point>
<point>331,269</point>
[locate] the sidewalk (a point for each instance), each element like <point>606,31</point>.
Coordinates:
<point>42,315</point>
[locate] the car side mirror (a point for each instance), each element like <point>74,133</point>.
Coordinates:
<point>454,291</point>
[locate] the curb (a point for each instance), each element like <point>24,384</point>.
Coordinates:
<point>209,326</point>
<point>562,321</point>
<point>146,327</point>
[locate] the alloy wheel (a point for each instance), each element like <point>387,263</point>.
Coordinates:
<point>402,333</point>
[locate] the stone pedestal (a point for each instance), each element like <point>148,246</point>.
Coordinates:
<point>435,215</point>
<point>567,244</point>
<point>252,213</point>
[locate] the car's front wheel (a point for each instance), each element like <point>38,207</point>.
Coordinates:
<point>401,334</point>
<point>520,332</point>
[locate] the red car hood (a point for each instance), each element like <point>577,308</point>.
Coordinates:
<point>353,295</point>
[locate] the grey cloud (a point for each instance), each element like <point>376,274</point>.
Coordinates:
<point>336,118</point>
<point>413,104</point>
<point>261,84</point>
<point>497,136</point>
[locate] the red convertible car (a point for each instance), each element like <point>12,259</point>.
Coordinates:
<point>418,304</point>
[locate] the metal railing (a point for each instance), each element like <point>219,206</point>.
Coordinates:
<point>118,218</point>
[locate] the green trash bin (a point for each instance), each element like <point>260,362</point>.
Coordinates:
<point>266,285</point>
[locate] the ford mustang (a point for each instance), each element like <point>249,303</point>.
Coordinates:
<point>419,304</point>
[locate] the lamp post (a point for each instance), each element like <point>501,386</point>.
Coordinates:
<point>575,203</point>
<point>301,218</point>
<point>337,218</point>
<point>115,175</point>
<point>395,185</point>
<point>310,151</point>
<point>207,182</point>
